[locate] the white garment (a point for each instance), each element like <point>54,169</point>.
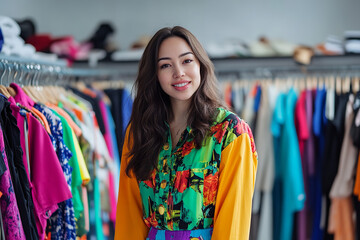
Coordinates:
<point>266,166</point>
<point>330,104</point>
<point>9,27</point>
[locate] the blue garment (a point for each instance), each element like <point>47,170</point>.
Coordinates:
<point>257,99</point>
<point>1,40</point>
<point>126,106</point>
<point>319,123</point>
<point>115,148</point>
<point>63,220</point>
<point>293,194</point>
<point>156,234</point>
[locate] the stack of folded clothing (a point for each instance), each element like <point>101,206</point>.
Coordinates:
<point>332,46</point>
<point>13,44</point>
<point>352,42</point>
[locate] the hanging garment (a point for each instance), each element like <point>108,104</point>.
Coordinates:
<point>334,137</point>
<point>303,133</point>
<point>13,229</point>
<point>18,170</point>
<point>44,164</point>
<point>63,220</point>
<point>265,176</point>
<point>319,123</point>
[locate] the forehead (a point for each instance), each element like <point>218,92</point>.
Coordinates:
<point>173,47</point>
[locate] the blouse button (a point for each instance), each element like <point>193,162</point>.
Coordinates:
<point>166,146</point>
<point>161,210</point>
<point>163,184</point>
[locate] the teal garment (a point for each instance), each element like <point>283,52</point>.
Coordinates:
<point>97,203</point>
<point>293,194</point>
<point>76,177</point>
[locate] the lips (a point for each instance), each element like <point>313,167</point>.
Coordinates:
<point>182,85</point>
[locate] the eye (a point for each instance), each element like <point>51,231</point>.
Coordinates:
<point>188,61</point>
<point>166,65</point>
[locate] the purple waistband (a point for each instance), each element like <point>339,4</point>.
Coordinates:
<point>201,234</point>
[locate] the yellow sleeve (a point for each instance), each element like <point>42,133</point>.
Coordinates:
<point>84,173</point>
<point>129,215</point>
<point>236,186</point>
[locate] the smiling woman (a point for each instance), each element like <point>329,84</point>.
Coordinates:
<point>188,164</point>
<point>178,71</point>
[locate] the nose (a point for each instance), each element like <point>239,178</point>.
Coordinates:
<point>178,72</point>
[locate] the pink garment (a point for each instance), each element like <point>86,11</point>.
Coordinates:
<point>107,135</point>
<point>21,96</point>
<point>86,207</point>
<point>13,228</point>
<point>302,129</point>
<point>47,180</point>
<point>112,197</point>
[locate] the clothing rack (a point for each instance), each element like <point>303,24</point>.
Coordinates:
<point>39,72</point>
<point>254,67</point>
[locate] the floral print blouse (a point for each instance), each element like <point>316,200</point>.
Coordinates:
<point>210,187</point>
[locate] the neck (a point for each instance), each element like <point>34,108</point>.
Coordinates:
<point>180,112</point>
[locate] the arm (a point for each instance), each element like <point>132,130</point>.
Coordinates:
<point>129,215</point>
<point>236,186</point>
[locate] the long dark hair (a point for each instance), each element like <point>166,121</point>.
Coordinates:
<point>152,109</point>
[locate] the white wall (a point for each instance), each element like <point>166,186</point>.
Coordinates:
<point>306,21</point>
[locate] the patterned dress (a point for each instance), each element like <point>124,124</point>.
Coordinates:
<point>10,213</point>
<point>189,193</point>
<point>63,220</point>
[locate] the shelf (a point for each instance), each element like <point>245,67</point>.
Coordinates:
<point>238,66</point>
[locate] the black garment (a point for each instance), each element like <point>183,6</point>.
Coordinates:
<point>95,105</point>
<point>115,96</point>
<point>355,130</point>
<point>17,170</point>
<point>334,138</point>
<point>2,165</point>
<point>2,234</point>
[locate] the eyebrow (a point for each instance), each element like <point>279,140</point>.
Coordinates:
<point>181,55</point>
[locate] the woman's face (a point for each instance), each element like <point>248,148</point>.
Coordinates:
<point>178,69</point>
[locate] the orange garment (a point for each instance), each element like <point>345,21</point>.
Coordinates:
<point>357,180</point>
<point>341,222</point>
<point>43,119</point>
<point>62,112</point>
<point>234,201</point>
<point>78,114</point>
<point>89,92</point>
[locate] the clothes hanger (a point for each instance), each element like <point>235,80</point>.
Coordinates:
<point>3,89</point>
<point>29,81</point>
<point>356,85</point>
<point>338,85</point>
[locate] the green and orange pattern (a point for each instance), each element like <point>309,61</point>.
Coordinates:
<point>181,194</point>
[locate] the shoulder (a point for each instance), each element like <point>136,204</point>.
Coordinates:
<point>228,126</point>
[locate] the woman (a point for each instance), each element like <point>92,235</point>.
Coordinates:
<point>188,165</point>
